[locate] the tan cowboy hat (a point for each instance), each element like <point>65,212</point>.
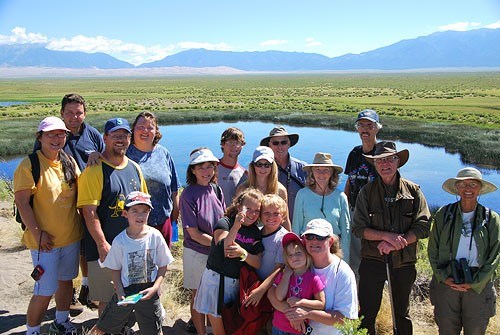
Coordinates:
<point>323,159</point>
<point>280,131</point>
<point>468,173</point>
<point>386,149</point>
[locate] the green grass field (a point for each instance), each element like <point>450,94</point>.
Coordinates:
<point>460,111</point>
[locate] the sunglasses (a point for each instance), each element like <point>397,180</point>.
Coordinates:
<point>263,165</point>
<point>311,237</point>
<point>283,142</point>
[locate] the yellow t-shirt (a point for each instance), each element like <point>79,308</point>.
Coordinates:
<point>54,202</point>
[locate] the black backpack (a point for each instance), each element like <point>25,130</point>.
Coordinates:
<point>35,172</point>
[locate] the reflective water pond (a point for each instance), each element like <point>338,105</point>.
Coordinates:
<point>427,166</point>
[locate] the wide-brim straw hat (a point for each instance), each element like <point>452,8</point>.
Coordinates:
<point>280,131</point>
<point>386,149</point>
<point>468,173</point>
<point>323,159</point>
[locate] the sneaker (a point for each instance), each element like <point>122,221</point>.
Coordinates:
<point>190,328</point>
<point>37,333</point>
<point>127,331</point>
<point>65,328</point>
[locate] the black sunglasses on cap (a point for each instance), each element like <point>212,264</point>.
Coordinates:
<point>311,237</point>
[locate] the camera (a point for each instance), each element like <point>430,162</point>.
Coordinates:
<point>37,272</point>
<point>460,271</point>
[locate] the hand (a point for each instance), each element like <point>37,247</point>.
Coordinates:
<point>385,247</point>
<point>254,297</point>
<point>45,240</point>
<point>396,240</point>
<point>457,287</point>
<point>148,293</point>
<point>296,313</point>
<point>94,158</point>
<point>287,272</point>
<point>103,250</point>
<point>298,325</point>
<point>234,251</point>
<point>293,301</point>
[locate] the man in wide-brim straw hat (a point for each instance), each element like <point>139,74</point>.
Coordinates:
<point>290,169</point>
<point>465,233</point>
<point>323,199</point>
<point>391,214</point>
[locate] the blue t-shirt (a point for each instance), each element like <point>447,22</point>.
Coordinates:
<point>80,146</point>
<point>273,252</point>
<point>161,177</point>
<point>293,178</point>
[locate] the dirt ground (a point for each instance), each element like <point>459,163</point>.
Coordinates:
<point>16,286</point>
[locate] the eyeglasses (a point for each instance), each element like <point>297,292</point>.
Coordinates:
<point>368,126</point>
<point>54,135</point>
<point>311,237</point>
<point>283,142</point>
<point>142,128</point>
<point>117,137</point>
<point>234,143</point>
<point>471,184</point>
<point>263,165</point>
<point>390,159</point>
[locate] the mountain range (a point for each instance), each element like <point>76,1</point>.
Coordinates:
<point>449,49</point>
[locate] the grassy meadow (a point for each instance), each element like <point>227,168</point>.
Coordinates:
<point>460,111</point>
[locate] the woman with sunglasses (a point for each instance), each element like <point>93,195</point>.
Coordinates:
<point>341,300</point>
<point>53,225</point>
<point>464,253</point>
<point>322,199</point>
<point>263,175</point>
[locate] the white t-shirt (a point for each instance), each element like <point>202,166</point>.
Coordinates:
<point>463,250</point>
<point>340,293</point>
<point>139,259</point>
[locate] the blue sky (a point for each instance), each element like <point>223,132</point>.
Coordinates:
<point>142,31</point>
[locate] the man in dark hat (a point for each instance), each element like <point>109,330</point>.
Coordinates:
<point>391,214</point>
<point>290,170</point>
<point>360,172</point>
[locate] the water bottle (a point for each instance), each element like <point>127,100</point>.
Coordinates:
<point>175,232</point>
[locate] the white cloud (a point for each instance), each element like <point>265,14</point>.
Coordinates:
<point>202,45</point>
<point>131,52</point>
<point>19,35</point>
<point>460,26</point>
<point>311,43</point>
<point>270,43</point>
<point>494,25</point>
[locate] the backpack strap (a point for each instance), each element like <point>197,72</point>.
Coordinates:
<point>35,172</point>
<point>217,191</point>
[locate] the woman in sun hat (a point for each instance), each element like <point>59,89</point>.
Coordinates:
<point>463,252</point>
<point>263,175</point>
<point>53,225</point>
<point>322,199</point>
<point>341,299</point>
<point>201,206</point>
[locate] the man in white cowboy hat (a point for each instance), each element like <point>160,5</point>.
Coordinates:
<point>391,214</point>
<point>360,172</point>
<point>464,252</point>
<point>290,170</point>
<point>101,197</point>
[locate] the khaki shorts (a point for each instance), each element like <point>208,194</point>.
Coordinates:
<point>193,265</point>
<point>100,285</point>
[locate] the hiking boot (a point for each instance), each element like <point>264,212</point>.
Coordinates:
<point>190,328</point>
<point>65,328</point>
<point>83,298</point>
<point>127,331</point>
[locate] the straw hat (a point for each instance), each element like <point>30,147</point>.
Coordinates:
<point>280,131</point>
<point>386,149</point>
<point>468,173</point>
<point>323,159</point>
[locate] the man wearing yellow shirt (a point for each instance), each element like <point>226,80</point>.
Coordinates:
<point>102,190</point>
